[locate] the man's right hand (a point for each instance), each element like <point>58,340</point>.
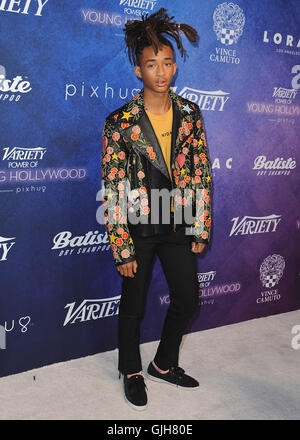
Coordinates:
<point>128,269</point>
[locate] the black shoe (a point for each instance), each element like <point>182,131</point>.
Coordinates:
<point>175,377</point>
<point>134,392</point>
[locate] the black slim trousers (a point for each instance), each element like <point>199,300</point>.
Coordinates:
<point>179,265</point>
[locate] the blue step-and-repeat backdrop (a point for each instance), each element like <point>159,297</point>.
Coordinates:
<point>63,68</point>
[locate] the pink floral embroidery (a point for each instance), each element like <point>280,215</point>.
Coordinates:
<point>125,253</point>
<point>136,129</point>
<point>140,175</point>
<point>116,136</point>
<point>181,159</point>
<point>135,110</point>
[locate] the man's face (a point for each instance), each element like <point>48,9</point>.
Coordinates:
<point>156,71</point>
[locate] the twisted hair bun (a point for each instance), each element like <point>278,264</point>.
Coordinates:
<point>149,32</point>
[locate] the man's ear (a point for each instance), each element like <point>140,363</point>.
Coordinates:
<point>137,71</point>
<point>175,68</point>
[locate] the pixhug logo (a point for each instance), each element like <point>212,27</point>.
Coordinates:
<point>95,92</point>
<point>229,21</point>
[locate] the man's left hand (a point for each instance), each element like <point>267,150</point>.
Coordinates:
<point>197,247</point>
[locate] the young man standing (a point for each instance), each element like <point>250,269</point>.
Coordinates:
<point>156,142</point>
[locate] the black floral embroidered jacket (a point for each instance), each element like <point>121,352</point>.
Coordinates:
<point>128,130</point>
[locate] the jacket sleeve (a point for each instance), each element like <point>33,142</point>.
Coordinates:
<point>202,183</point>
<point>114,175</point>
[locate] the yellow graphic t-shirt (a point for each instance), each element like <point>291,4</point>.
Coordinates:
<point>162,125</point>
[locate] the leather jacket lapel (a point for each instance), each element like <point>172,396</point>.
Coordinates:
<point>150,136</point>
<point>143,139</point>
<point>141,135</point>
<point>175,128</point>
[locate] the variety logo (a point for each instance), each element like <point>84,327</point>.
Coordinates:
<point>284,96</point>
<point>23,6</point>
<point>287,42</point>
<point>141,7</point>
<point>271,271</point>
<point>229,21</point>
<point>12,90</point>
<point>5,246</point>
<point>91,242</point>
<point>278,166</point>
<point>214,100</point>
<point>19,157</point>
<point>92,309</point>
<point>254,225</point>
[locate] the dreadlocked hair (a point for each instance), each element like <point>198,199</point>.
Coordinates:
<point>148,32</point>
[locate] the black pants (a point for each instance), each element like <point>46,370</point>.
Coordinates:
<point>180,268</point>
